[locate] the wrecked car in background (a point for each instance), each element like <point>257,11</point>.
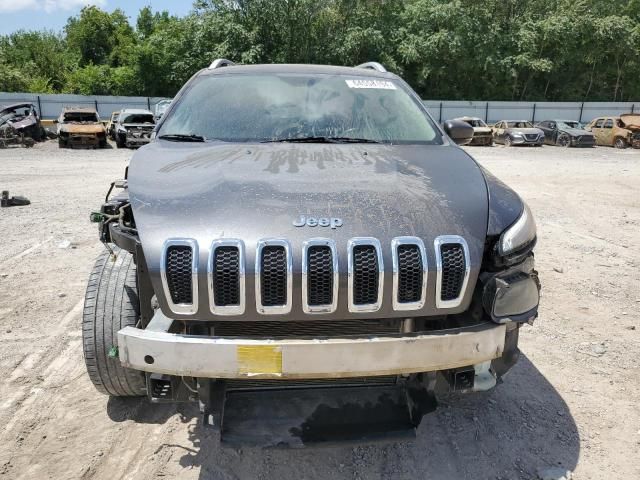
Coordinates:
<point>80,126</point>
<point>619,132</point>
<point>161,107</point>
<point>482,133</point>
<point>134,128</point>
<point>111,125</point>
<point>309,275</point>
<point>20,125</point>
<point>517,132</point>
<point>566,133</point>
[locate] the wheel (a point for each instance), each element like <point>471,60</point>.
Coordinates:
<point>119,142</point>
<point>103,143</point>
<point>62,143</point>
<point>507,141</point>
<point>110,304</point>
<point>564,140</point>
<point>620,143</point>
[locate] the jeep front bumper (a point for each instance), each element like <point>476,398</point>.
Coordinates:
<point>157,351</point>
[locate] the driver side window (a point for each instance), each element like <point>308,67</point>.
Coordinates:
<point>608,123</point>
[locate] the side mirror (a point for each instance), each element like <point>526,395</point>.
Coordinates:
<point>460,132</point>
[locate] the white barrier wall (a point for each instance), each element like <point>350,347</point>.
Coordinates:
<point>491,111</point>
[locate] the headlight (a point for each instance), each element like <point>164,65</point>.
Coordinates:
<point>519,135</point>
<point>518,235</point>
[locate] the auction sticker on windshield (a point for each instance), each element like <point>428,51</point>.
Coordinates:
<point>383,84</point>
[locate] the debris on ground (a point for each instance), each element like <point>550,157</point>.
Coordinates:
<point>15,201</point>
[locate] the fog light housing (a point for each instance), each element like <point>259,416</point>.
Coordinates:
<point>512,297</point>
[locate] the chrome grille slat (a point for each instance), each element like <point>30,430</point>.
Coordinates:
<point>409,275</point>
<point>226,282</point>
<point>179,273</point>
<point>365,272</point>
<point>320,276</point>
<point>451,276</point>
<point>273,276</point>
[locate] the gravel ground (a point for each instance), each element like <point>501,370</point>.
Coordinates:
<point>571,402</point>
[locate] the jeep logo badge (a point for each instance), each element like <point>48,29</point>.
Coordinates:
<point>317,222</point>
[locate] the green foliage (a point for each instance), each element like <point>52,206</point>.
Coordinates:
<point>460,49</point>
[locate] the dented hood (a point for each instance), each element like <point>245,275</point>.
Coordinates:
<point>631,120</point>
<point>82,128</point>
<point>250,192</point>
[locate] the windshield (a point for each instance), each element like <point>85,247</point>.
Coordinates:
<point>80,117</point>
<point>519,125</point>
<point>569,124</point>
<point>476,122</point>
<point>138,118</point>
<point>254,108</point>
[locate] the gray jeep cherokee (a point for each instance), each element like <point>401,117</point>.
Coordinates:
<point>304,252</point>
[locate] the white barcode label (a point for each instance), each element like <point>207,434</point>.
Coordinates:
<point>381,84</point>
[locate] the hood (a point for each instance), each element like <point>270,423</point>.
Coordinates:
<point>250,192</point>
<point>631,120</point>
<point>146,126</point>
<point>529,131</point>
<point>82,128</point>
<point>576,132</point>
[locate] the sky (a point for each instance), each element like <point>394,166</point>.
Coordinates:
<point>52,14</point>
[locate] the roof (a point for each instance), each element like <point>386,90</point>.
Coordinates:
<point>297,68</point>
<point>135,111</point>
<point>13,106</point>
<point>79,109</point>
<point>468,118</point>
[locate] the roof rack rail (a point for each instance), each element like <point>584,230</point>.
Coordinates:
<point>372,66</point>
<point>220,62</point>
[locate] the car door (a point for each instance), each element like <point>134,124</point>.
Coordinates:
<point>498,132</point>
<point>596,129</point>
<point>607,132</point>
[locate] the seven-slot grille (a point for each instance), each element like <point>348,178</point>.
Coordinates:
<point>531,136</point>
<point>320,275</point>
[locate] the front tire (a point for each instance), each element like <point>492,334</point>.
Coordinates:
<point>620,143</point>
<point>110,304</point>
<point>507,141</point>
<point>564,141</point>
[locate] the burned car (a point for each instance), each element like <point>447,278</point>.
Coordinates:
<point>517,132</point>
<point>20,125</point>
<point>566,133</point>
<point>111,125</point>
<point>482,133</point>
<point>80,126</point>
<point>313,265</point>
<point>133,128</point>
<point>619,132</point>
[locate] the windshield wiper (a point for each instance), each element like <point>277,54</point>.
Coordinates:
<point>322,140</point>
<point>182,137</point>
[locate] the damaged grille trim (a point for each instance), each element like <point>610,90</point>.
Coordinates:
<point>227,309</point>
<point>351,245</point>
<point>438,243</point>
<point>181,308</point>
<point>331,307</point>
<point>273,309</point>
<point>413,241</point>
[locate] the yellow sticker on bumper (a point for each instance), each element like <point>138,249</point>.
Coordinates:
<point>259,360</point>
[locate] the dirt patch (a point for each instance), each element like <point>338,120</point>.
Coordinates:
<point>570,402</point>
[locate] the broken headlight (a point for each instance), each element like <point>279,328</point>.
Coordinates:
<point>518,240</point>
